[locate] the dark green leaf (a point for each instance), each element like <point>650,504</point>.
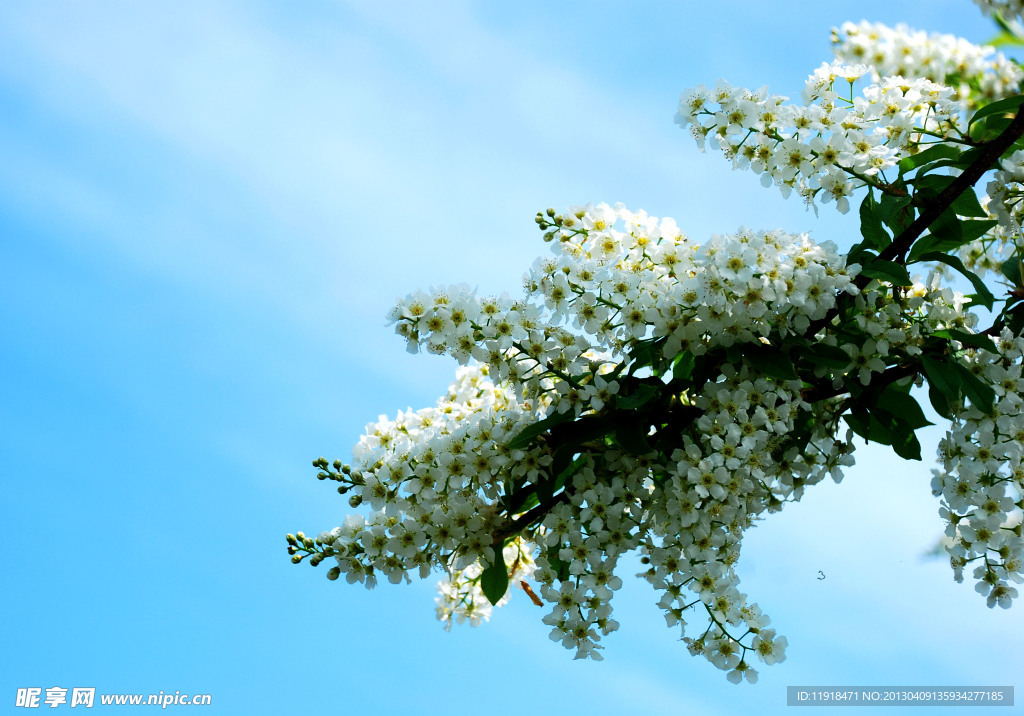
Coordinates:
<point>944,234</point>
<point>989,128</point>
<point>903,407</point>
<point>558,565</point>
<point>977,340</point>
<point>985,297</point>
<point>980,394</point>
<point>494,579</point>
<point>631,434</point>
<point>940,401</point>
<point>683,365</point>
<point>1010,105</point>
<point>642,395</point>
<point>904,442</point>
<point>527,434</point>
<point>967,204</point>
<point>871,225</point>
<point>770,361</point>
<point>896,212</point>
<point>826,355</point>
<point>890,271</point>
<point>867,425</point>
<point>931,185</point>
<point>943,376</point>
<point>1011,269</point>
<point>931,154</point>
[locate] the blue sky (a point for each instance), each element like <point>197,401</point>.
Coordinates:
<point>206,210</point>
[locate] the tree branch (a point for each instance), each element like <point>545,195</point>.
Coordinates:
<point>991,151</point>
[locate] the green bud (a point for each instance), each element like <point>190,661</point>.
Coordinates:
<point>347,469</point>
<point>337,464</point>
<point>307,543</point>
<point>290,538</point>
<point>300,535</point>
<point>296,558</point>
<point>355,501</point>
<point>342,489</point>
<point>333,573</point>
<point>550,212</point>
<point>321,475</point>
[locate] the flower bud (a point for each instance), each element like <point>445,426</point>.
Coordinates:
<point>291,539</point>
<point>296,558</point>
<point>333,573</point>
<point>355,500</point>
<point>337,464</point>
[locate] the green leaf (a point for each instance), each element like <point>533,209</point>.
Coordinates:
<point>989,128</point>
<point>683,364</point>
<point>980,394</point>
<point>896,212</point>
<point>494,579</point>
<point>826,355</point>
<point>977,340</point>
<point>558,565</point>
<point>985,297</point>
<point>1003,39</point>
<point>944,234</point>
<point>901,406</point>
<point>925,156</point>
<point>632,436</point>
<point>973,228</point>
<point>890,271</point>
<point>967,204</point>
<point>1010,105</point>
<point>646,353</point>
<point>1011,269</point>
<point>643,394</point>
<point>940,401</point>
<point>871,225</point>
<point>770,361</point>
<point>868,426</point>
<point>904,442</point>
<point>527,434</point>
<point>942,376</point>
<point>931,185</point>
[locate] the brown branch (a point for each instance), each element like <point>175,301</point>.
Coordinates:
<point>815,393</point>
<point>991,151</point>
<point>516,526</point>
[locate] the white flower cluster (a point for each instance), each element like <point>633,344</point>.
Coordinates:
<point>614,287</point>
<point>982,482</point>
<point>449,486</point>
<point>428,476</point>
<point>1009,9</point>
<point>461,597</point>
<point>739,463</point>
<point>1006,193</point>
<point>828,146</point>
<point>1002,241</point>
<point>975,73</point>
